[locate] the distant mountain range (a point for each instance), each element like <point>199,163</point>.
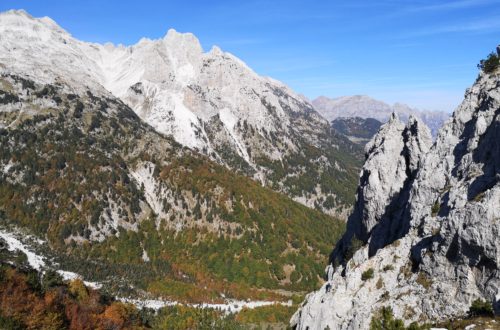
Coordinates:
<point>366,107</point>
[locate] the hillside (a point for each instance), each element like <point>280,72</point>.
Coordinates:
<point>210,102</point>
<point>421,243</point>
<point>358,130</point>
<point>124,205</point>
<point>30,299</point>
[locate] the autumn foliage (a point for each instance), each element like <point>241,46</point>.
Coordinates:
<point>25,304</point>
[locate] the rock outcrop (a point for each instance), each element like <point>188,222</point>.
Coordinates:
<point>392,158</point>
<point>427,222</point>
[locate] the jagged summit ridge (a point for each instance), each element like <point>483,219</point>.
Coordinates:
<point>429,233</point>
<point>31,46</point>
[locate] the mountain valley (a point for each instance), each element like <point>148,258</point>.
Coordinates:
<point>162,186</point>
<point>358,130</point>
<point>156,207</point>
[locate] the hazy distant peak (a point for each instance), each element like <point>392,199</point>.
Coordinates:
<point>364,106</point>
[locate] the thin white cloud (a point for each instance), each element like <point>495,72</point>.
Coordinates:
<point>478,26</point>
<point>441,7</point>
<point>451,5</point>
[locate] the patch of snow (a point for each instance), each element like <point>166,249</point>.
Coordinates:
<point>231,306</point>
<point>36,261</point>
<point>7,167</point>
<point>69,276</point>
<point>145,256</point>
<point>155,304</point>
<point>235,306</point>
<point>14,244</point>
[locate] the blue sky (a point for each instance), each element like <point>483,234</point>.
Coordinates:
<point>423,52</point>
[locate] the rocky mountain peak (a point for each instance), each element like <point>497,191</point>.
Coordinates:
<point>183,49</point>
<point>425,223</point>
<point>392,158</point>
<point>21,17</point>
<point>391,130</point>
<point>173,35</point>
<point>216,51</point>
<point>418,140</point>
<point>20,24</point>
<point>211,102</point>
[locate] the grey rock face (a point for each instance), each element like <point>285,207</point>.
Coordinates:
<point>429,221</point>
<point>392,159</point>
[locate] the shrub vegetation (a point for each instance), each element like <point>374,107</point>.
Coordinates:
<point>367,274</point>
<point>385,320</point>
<point>481,308</point>
<point>490,64</point>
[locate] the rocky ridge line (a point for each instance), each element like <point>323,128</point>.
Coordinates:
<point>427,223</point>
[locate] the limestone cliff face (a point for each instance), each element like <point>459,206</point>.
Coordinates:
<point>392,158</point>
<point>428,220</point>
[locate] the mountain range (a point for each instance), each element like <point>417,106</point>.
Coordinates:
<point>363,106</point>
<point>170,177</point>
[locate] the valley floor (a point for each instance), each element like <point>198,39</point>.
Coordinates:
<point>22,263</point>
<point>38,262</point>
